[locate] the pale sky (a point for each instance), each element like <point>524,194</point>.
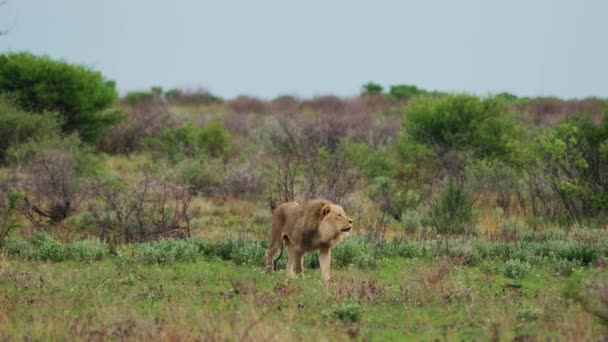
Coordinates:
<point>267,48</point>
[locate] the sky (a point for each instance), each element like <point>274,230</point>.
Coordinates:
<point>268,48</point>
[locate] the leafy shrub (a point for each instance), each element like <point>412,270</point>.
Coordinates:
<point>249,253</point>
<point>50,250</point>
<point>79,94</point>
<point>371,88</point>
<point>9,215</point>
<point>410,250</point>
<point>223,249</point>
<point>462,122</point>
<point>572,157</point>
<point>452,211</point>
<point>564,267</point>
<point>18,126</point>
<point>203,175</point>
<point>493,267</point>
<point>18,247</point>
<point>167,251</point>
<point>347,312</point>
<point>516,268</point>
<point>464,254</point>
<point>353,251</point>
<point>189,141</point>
<point>87,250</point>
<point>406,91</point>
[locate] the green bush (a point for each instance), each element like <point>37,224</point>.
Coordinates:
<point>462,122</point>
<point>190,141</point>
<point>9,215</point>
<point>572,157</point>
<point>167,251</point>
<point>50,250</point>
<point>353,251</point>
<point>249,253</point>
<point>452,211</point>
<point>516,268</point>
<point>564,267</point>
<point>18,248</point>
<point>371,88</point>
<point>87,250</point>
<point>347,312</point>
<point>79,94</point>
<point>18,126</point>
<point>406,91</point>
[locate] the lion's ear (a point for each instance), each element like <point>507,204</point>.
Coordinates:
<point>325,210</point>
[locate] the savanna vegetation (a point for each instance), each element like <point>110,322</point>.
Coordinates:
<point>146,216</point>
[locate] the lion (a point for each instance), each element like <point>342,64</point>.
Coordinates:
<point>316,225</point>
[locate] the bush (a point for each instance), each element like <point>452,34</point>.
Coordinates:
<point>50,250</point>
<point>249,253</point>
<point>572,158</point>
<point>353,251</point>
<point>18,126</point>
<point>516,268</point>
<point>405,91</point>
<point>462,122</point>
<point>564,267</point>
<point>452,211</point>
<point>9,215</point>
<point>79,94</point>
<point>371,88</point>
<point>87,250</point>
<point>347,312</point>
<point>189,141</point>
<point>167,251</point>
<point>18,248</point>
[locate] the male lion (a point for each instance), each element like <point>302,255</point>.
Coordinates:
<point>317,224</point>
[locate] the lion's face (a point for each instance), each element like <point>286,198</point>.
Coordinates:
<point>335,217</point>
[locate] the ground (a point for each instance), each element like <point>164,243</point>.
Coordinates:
<point>212,299</point>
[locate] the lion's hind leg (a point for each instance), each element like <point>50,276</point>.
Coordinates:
<point>272,249</point>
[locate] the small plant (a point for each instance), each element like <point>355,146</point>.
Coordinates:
<point>250,253</point>
<point>452,211</point>
<point>50,250</point>
<point>564,267</point>
<point>347,312</point>
<point>167,251</point>
<point>517,269</point>
<point>87,250</point>
<point>18,247</point>
<point>9,215</point>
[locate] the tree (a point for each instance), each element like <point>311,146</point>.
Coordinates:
<point>462,123</point>
<point>77,93</point>
<point>406,91</point>
<point>371,88</point>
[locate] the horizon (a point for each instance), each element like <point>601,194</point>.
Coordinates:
<point>265,50</point>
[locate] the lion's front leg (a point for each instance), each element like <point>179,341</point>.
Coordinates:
<point>299,262</point>
<point>325,261</point>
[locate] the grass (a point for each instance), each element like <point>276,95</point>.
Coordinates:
<point>209,298</point>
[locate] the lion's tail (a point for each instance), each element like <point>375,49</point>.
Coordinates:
<point>274,264</point>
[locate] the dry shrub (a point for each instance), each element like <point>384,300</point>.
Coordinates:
<point>369,291</point>
<point>327,104</point>
<point>549,111</point>
<point>151,208</point>
<point>52,188</point>
<point>431,285</point>
<point>247,105</point>
<point>285,104</point>
<point>142,120</point>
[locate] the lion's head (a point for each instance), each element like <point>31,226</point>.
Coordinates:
<point>335,219</point>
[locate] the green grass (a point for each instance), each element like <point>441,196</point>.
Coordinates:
<point>210,298</point>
